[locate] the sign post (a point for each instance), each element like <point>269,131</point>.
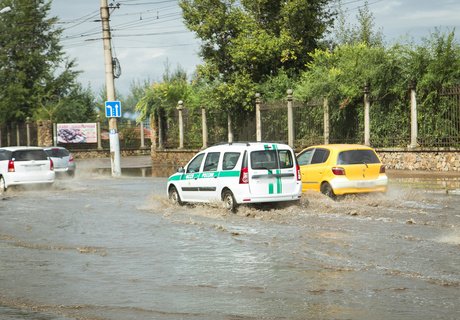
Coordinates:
<point>110,86</point>
<point>112,112</point>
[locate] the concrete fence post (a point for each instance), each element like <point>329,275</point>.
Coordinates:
<point>204,128</point>
<point>367,104</point>
<point>180,108</point>
<point>160,132</point>
<point>229,127</point>
<point>290,119</point>
<point>28,131</point>
<point>8,135</point>
<point>55,134</point>
<point>18,136</point>
<point>141,129</point>
<point>326,120</point>
<point>413,115</point>
<point>258,119</point>
<point>153,131</point>
<point>99,136</point>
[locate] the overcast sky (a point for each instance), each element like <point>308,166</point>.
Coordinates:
<point>149,33</point>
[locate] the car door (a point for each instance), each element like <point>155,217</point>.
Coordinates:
<point>273,172</point>
<point>313,167</point>
<point>189,183</point>
<point>208,180</point>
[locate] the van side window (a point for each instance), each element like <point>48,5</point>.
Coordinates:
<point>320,156</point>
<point>286,160</point>
<point>195,164</point>
<point>212,159</point>
<point>305,157</point>
<point>230,160</point>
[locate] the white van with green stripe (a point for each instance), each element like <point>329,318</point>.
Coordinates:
<point>238,173</point>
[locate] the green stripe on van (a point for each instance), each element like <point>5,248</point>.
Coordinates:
<point>204,175</point>
<point>175,177</point>
<point>229,174</point>
<point>279,186</point>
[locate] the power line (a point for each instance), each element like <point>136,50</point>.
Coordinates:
<point>128,3</point>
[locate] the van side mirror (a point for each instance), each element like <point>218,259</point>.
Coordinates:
<point>180,170</point>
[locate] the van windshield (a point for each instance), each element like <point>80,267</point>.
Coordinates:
<point>271,159</point>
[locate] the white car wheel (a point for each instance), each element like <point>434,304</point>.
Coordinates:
<point>228,201</point>
<point>174,196</point>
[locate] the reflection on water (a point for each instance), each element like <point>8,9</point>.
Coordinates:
<point>154,171</point>
<point>163,171</point>
<point>428,181</point>
<point>95,247</point>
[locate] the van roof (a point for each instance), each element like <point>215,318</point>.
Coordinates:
<point>249,145</point>
<point>20,148</point>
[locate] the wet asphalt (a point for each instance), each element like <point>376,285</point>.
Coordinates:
<point>97,247</point>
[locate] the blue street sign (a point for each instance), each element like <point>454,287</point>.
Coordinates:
<point>113,109</point>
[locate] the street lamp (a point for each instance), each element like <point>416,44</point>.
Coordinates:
<point>6,9</point>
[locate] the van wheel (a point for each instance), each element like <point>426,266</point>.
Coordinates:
<point>2,185</point>
<point>174,196</point>
<point>228,201</point>
<point>326,189</point>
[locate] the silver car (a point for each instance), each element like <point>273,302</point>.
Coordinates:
<point>63,160</point>
<point>24,165</point>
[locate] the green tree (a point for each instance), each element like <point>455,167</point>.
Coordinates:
<point>136,92</point>
<point>246,42</point>
<point>34,71</point>
<point>77,105</point>
<point>160,99</point>
<point>363,32</point>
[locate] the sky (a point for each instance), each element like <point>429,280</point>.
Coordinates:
<point>147,35</point>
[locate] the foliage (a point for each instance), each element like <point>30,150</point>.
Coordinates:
<point>137,90</point>
<point>165,95</point>
<point>340,75</point>
<point>76,106</point>
<point>436,64</point>
<point>35,73</point>
<point>246,42</point>
<point>363,32</point>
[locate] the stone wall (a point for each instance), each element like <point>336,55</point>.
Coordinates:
<point>89,154</point>
<point>45,133</point>
<point>166,162</point>
<point>423,160</point>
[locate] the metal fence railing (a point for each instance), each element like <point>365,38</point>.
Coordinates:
<point>390,126</point>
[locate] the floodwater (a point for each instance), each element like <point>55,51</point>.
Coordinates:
<point>97,247</point>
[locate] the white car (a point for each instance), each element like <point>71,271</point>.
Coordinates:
<point>63,160</point>
<point>24,165</point>
<point>238,173</point>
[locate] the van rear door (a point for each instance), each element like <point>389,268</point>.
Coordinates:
<point>272,172</point>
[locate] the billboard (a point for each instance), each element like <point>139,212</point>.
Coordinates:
<point>76,132</point>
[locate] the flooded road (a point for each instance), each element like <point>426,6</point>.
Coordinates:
<point>98,248</point>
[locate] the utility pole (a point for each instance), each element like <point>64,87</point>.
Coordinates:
<point>110,86</point>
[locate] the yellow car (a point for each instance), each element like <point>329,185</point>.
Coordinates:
<point>338,169</point>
